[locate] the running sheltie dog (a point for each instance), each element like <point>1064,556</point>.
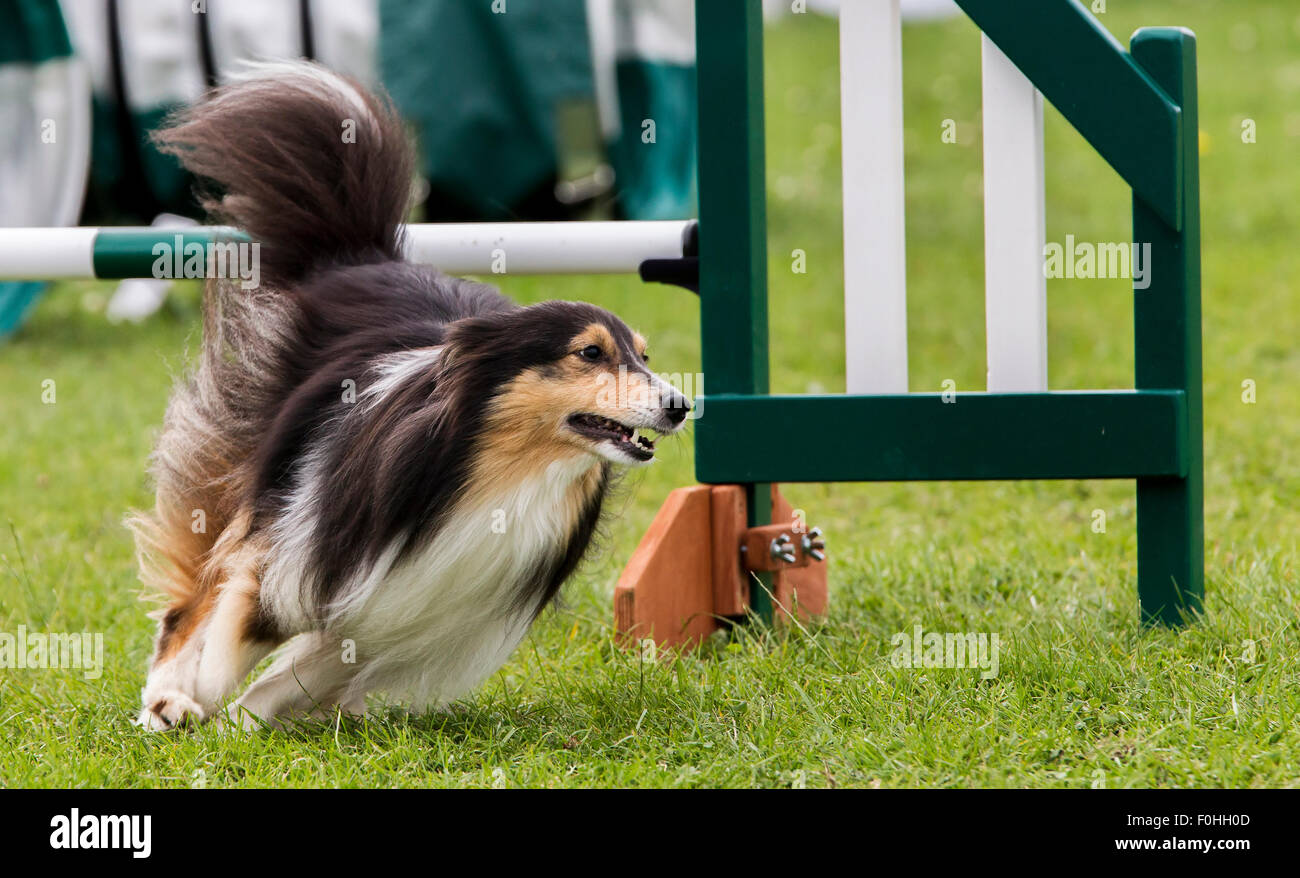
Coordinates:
<point>395,468</point>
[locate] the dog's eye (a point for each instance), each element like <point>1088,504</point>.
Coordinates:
<point>591,353</point>
<point>645,358</point>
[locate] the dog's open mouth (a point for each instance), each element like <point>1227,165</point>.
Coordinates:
<point>629,440</point>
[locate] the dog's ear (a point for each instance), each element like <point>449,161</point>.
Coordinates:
<point>472,346</point>
<point>477,358</point>
<point>474,335</point>
<point>506,343</point>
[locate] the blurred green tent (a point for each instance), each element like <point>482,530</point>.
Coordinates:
<point>514,98</point>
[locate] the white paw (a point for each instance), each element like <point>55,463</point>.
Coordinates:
<point>167,708</point>
<point>238,718</point>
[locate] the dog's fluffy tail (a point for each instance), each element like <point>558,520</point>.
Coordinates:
<point>313,166</point>
<point>318,171</point>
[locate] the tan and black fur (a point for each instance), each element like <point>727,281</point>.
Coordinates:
<point>394,470</point>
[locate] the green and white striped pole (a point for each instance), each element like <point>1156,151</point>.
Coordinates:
<point>114,253</point>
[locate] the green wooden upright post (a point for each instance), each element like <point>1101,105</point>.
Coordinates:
<point>1167,350</point>
<point>733,218</point>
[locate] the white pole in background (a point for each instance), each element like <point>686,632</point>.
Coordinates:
<point>1015,287</point>
<point>598,247</point>
<point>871,136</point>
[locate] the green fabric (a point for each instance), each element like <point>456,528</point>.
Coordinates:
<point>16,299</point>
<point>132,189</point>
<point>168,182</point>
<point>105,148</point>
<point>32,31</point>
<point>482,89</point>
<point>656,180</point>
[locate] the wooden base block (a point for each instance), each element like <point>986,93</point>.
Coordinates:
<point>730,581</point>
<point>666,590</point>
<point>801,590</point>
<point>687,576</point>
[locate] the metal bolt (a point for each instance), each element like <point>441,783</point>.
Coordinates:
<point>814,546</point>
<point>782,549</point>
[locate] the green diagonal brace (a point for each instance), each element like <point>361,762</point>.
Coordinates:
<point>1105,94</point>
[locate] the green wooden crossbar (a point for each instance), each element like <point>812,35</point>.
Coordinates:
<point>938,437</point>
<point>1138,110</point>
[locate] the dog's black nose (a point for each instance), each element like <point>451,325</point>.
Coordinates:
<point>677,408</point>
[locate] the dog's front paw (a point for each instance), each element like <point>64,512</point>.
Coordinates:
<point>238,718</point>
<point>167,709</point>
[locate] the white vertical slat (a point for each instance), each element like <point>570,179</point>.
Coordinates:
<point>1015,288</point>
<point>871,133</point>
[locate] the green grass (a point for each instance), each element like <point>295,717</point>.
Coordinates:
<point>1083,696</point>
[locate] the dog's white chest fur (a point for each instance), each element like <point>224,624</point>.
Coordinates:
<point>433,627</point>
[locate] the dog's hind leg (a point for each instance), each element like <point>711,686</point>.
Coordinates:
<point>308,680</point>
<point>208,643</point>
